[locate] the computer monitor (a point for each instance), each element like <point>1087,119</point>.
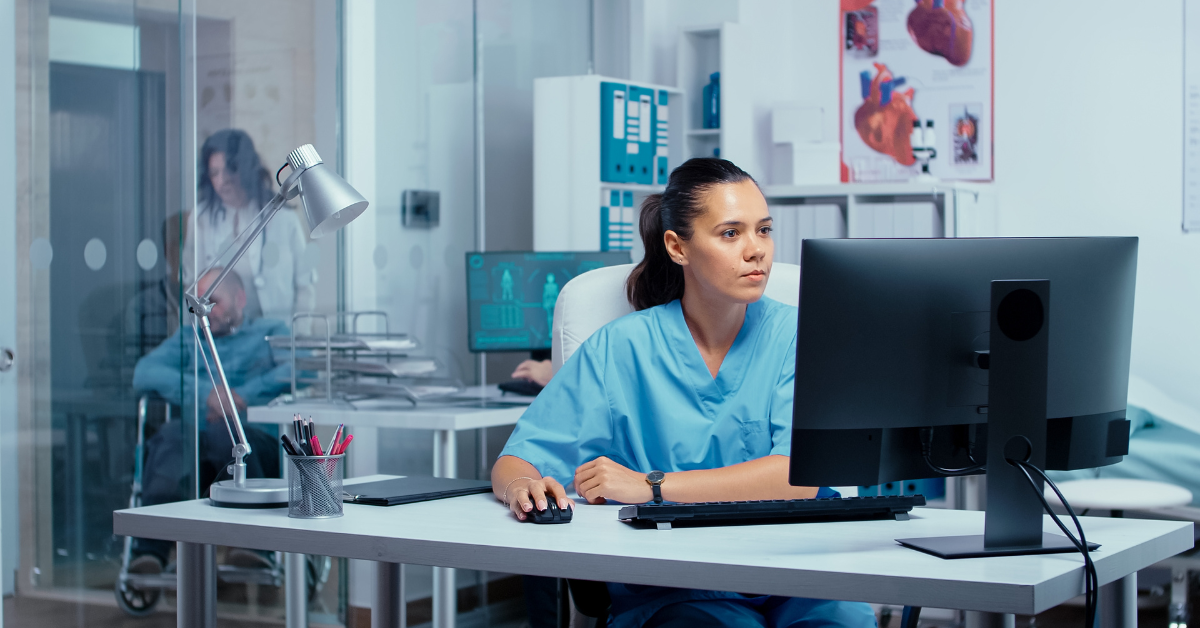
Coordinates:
<point>916,358</point>
<point>511,295</point>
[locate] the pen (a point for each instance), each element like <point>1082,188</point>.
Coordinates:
<point>290,445</point>
<point>345,444</point>
<point>316,445</point>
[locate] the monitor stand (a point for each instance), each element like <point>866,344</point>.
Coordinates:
<point>1017,369</point>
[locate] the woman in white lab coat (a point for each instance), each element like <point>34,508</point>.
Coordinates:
<point>233,187</point>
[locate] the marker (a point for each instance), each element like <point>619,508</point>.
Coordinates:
<point>290,445</point>
<point>345,444</point>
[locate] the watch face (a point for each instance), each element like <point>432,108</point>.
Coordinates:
<point>656,477</point>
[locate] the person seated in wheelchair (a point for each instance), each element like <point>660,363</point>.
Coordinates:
<point>178,375</point>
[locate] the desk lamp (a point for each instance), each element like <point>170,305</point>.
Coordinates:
<point>329,204</point>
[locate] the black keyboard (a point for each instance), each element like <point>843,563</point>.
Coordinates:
<point>524,387</point>
<point>774,511</point>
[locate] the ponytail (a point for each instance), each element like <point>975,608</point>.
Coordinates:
<point>658,279</point>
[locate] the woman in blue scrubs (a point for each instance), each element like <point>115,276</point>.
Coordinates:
<point>697,384</point>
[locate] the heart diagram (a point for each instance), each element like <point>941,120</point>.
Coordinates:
<point>942,27</point>
<point>885,119</point>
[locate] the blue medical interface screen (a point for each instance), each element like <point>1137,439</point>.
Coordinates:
<point>511,295</point>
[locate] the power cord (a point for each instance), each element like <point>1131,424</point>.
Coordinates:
<point>1091,581</point>
<point>927,447</point>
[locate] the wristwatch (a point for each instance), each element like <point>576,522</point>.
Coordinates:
<point>655,480</point>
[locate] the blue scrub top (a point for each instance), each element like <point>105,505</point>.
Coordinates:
<point>639,392</point>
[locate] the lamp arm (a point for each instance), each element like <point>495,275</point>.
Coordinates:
<point>200,306</point>
<point>241,445</point>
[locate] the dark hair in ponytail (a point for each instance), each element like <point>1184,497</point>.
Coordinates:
<point>657,279</point>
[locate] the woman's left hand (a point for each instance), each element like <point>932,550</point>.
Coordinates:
<point>602,479</point>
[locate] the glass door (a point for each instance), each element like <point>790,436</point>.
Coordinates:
<point>145,132</point>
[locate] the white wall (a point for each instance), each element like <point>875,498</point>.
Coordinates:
<point>1089,142</point>
<point>1069,101</point>
<point>792,47</point>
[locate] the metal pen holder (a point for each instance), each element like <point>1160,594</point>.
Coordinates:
<point>315,486</point>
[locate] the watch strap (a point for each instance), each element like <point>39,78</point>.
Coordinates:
<point>657,493</point>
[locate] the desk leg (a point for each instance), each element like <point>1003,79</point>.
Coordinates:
<point>445,594</point>
<point>296,590</point>
<point>1118,603</point>
<point>196,605</point>
<point>483,473</point>
<point>390,611</point>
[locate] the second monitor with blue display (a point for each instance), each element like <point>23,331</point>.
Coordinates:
<point>511,295</point>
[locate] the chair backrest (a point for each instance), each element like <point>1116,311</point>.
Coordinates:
<point>596,298</point>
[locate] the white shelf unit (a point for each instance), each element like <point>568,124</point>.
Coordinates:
<point>702,51</point>
<point>567,191</point>
<point>878,210</point>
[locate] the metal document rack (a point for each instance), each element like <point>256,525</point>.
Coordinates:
<point>357,365</point>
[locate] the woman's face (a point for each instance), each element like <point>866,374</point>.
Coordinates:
<point>225,182</point>
<point>730,252</point>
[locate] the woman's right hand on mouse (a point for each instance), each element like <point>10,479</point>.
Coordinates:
<point>526,494</point>
<point>519,485</point>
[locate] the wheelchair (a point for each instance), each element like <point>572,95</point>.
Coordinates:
<point>142,579</point>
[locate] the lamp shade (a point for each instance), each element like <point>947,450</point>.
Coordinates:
<point>329,202</point>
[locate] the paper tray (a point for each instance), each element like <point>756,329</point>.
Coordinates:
<point>410,367</point>
<point>379,343</point>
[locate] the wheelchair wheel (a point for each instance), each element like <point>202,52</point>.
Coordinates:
<point>139,602</point>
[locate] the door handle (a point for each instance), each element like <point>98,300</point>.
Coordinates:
<point>6,359</point>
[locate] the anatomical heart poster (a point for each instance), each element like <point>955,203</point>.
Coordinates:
<point>916,89</point>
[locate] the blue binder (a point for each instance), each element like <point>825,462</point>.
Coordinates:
<point>662,137</point>
<point>640,147</point>
<point>617,222</point>
<point>613,163</point>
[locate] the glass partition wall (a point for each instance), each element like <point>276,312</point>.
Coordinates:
<point>145,128</point>
<point>117,101</point>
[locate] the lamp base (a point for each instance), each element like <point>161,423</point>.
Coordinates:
<point>257,493</point>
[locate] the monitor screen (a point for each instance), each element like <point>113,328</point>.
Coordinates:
<point>511,295</point>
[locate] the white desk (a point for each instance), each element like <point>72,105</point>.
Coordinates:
<point>478,409</point>
<point>444,418</point>
<point>849,561</point>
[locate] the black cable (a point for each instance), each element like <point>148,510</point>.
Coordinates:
<point>1082,538</point>
<point>1091,580</point>
<point>927,445</point>
<point>277,173</point>
<point>1090,585</point>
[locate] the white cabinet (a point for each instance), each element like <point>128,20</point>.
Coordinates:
<point>573,208</point>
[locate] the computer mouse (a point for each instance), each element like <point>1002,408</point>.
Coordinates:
<point>552,514</point>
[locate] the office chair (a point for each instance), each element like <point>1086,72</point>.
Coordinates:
<point>597,297</point>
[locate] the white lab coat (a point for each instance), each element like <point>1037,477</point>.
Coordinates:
<point>278,279</point>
